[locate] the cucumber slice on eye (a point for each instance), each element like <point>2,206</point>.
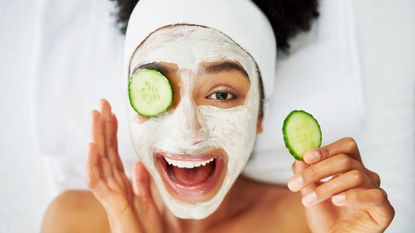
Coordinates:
<point>150,92</point>
<point>301,133</point>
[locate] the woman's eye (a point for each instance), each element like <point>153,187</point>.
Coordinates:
<point>221,95</point>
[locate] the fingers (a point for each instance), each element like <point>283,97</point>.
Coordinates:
<point>115,143</point>
<point>93,165</point>
<point>114,148</point>
<point>95,174</point>
<point>361,197</point>
<point>104,130</point>
<point>107,122</point>
<point>345,172</point>
<point>99,169</point>
<point>98,136</point>
<point>299,166</point>
<point>337,164</point>
<point>348,181</point>
<point>107,169</point>
<point>115,159</point>
<point>114,131</point>
<point>103,157</point>
<point>343,146</point>
<point>111,127</point>
<point>375,200</point>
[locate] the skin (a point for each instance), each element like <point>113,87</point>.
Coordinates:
<point>352,201</point>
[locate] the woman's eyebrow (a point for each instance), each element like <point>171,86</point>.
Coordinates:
<point>225,66</point>
<point>211,69</point>
<point>156,66</point>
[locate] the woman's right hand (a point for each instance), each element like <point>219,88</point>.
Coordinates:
<point>129,207</point>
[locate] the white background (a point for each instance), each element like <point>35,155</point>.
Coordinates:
<point>386,38</point>
<point>24,186</point>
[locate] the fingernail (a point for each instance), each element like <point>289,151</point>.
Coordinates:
<point>295,184</point>
<point>309,199</point>
<point>313,156</point>
<point>338,199</point>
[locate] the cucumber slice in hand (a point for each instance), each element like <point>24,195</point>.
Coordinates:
<point>150,92</point>
<point>301,133</point>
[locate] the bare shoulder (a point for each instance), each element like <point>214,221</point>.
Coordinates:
<point>284,207</point>
<point>75,211</point>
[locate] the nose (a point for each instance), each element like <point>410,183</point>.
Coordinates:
<point>188,123</point>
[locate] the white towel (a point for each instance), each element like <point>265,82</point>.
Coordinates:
<point>78,60</point>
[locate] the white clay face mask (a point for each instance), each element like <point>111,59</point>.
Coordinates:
<point>195,151</point>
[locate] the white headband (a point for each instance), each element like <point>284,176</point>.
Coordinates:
<point>241,20</point>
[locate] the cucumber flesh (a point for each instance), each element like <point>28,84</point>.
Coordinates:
<point>150,92</point>
<point>301,133</point>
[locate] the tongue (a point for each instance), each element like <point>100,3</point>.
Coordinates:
<point>192,176</point>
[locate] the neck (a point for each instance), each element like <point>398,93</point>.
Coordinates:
<point>230,205</point>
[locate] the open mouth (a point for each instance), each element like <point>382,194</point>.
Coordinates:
<point>191,176</point>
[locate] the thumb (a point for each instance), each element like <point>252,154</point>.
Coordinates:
<point>141,181</point>
<point>144,204</point>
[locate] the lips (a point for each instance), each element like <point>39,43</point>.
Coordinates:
<point>193,177</point>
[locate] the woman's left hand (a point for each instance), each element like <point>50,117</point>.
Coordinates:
<point>351,200</point>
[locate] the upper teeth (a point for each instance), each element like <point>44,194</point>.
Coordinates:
<point>187,164</point>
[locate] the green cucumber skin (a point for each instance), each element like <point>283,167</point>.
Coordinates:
<point>130,97</point>
<point>286,141</point>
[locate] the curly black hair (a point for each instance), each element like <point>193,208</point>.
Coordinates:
<point>288,17</point>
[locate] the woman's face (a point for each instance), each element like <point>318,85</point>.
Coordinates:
<point>197,149</point>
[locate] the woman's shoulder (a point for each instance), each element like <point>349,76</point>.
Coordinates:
<point>75,211</point>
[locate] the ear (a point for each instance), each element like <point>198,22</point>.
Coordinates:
<point>259,128</point>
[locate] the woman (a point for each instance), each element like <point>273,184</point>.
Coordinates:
<point>191,155</point>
